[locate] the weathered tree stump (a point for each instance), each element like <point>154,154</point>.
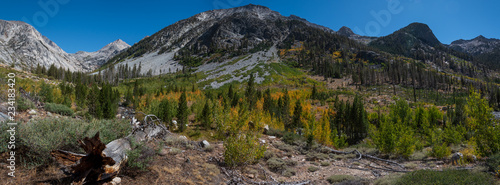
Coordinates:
<point>103,162</point>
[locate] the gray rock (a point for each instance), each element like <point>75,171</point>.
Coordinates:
<point>205,144</point>
<point>266,129</point>
<point>32,112</point>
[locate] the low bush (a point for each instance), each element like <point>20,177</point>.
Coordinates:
<point>339,178</point>
<point>276,164</point>
<point>39,137</point>
<point>493,163</point>
<point>312,169</point>
<point>140,156</point>
<point>289,172</point>
<point>325,163</point>
<point>440,151</point>
<point>448,176</point>
<point>291,138</point>
<point>24,104</point>
<point>59,109</point>
<point>269,155</point>
<point>240,151</point>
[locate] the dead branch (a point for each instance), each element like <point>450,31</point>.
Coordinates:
<point>364,155</point>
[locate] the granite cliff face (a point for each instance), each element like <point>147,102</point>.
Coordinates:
<point>22,46</point>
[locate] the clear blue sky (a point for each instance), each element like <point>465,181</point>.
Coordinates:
<point>88,25</point>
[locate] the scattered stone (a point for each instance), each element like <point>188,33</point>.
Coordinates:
<point>272,137</point>
<point>163,152</point>
<point>118,116</point>
<point>49,114</point>
<point>183,137</point>
<point>266,129</point>
<point>251,176</point>
<point>32,112</point>
<point>205,144</point>
<point>116,180</point>
<point>263,141</point>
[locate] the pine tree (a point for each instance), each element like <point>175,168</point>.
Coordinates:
<point>206,116</point>
<point>314,93</point>
<point>165,112</point>
<point>250,92</point>
<point>297,113</point>
<point>93,102</point>
<point>268,102</point>
<point>182,112</point>
<point>285,108</point>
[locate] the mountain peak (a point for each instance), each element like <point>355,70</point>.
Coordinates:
<point>253,6</point>
<point>345,31</point>
<point>421,31</point>
<point>480,37</point>
<point>116,45</point>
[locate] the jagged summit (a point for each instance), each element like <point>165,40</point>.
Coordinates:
<point>92,60</point>
<point>476,46</point>
<point>24,47</point>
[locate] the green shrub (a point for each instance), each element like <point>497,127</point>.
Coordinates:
<point>140,156</point>
<point>24,104</point>
<point>4,138</point>
<point>448,176</point>
<point>269,155</point>
<point>493,163</point>
<point>275,132</point>
<point>339,178</point>
<point>440,151</point>
<point>291,163</point>
<point>291,138</point>
<point>312,169</point>
<point>59,109</point>
<point>240,151</point>
<point>39,137</point>
<point>313,156</point>
<point>276,164</point>
<point>325,163</point>
<point>289,172</point>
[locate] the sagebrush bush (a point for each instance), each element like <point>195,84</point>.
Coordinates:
<point>276,164</point>
<point>448,176</point>
<point>23,104</point>
<point>339,178</point>
<point>39,137</point>
<point>493,162</point>
<point>140,156</point>
<point>59,109</point>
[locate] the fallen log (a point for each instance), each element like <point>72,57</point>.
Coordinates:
<point>360,155</point>
<point>103,162</point>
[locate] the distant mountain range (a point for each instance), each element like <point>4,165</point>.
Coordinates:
<point>230,32</point>
<point>23,46</point>
<point>93,60</point>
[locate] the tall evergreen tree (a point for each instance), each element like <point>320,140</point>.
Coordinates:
<point>182,112</point>
<point>296,120</point>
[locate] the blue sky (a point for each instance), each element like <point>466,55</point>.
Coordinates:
<point>88,25</point>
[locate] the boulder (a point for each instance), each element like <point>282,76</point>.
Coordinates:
<point>32,112</point>
<point>204,144</point>
<point>266,129</point>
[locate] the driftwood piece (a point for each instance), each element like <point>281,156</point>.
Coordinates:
<point>101,161</point>
<point>360,155</point>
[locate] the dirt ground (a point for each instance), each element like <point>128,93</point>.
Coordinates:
<point>185,164</point>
